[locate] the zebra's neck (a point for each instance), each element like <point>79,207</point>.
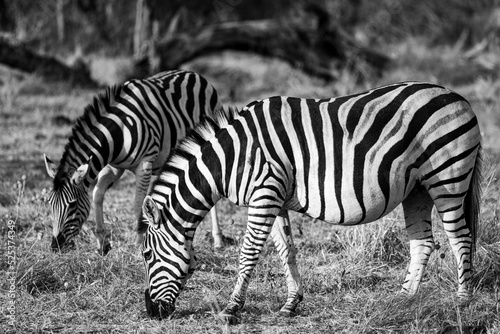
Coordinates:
<point>77,154</point>
<point>89,140</point>
<point>201,171</point>
<point>199,175</point>
<point>187,193</point>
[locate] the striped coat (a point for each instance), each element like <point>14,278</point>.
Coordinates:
<point>347,160</point>
<point>131,127</point>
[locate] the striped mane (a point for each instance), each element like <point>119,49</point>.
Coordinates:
<point>100,103</point>
<point>190,146</point>
<point>196,137</point>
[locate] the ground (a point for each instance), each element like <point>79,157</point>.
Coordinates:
<point>351,276</point>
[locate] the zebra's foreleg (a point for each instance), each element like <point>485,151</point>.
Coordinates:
<point>283,240</point>
<point>107,176</point>
<point>260,222</point>
<point>143,175</point>
<point>417,210</point>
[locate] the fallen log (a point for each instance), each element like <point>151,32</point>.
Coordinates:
<point>18,56</point>
<point>316,52</point>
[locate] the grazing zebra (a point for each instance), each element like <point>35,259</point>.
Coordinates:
<point>347,160</point>
<point>133,126</point>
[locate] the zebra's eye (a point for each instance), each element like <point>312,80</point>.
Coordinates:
<point>147,254</point>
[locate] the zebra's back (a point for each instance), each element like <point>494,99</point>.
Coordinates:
<point>153,114</point>
<point>353,159</point>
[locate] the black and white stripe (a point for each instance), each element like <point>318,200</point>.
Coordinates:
<point>347,160</point>
<point>133,126</point>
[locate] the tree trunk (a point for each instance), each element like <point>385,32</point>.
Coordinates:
<point>152,53</point>
<point>6,18</point>
<point>60,20</point>
<point>141,28</point>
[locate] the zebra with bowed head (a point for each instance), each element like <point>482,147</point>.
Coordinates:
<point>347,160</point>
<point>133,126</point>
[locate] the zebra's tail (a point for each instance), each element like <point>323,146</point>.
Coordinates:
<point>472,201</point>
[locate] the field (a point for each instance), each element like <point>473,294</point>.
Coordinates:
<point>351,276</point>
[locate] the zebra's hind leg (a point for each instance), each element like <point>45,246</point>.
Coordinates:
<point>459,236</point>
<point>283,240</point>
<point>107,176</point>
<point>456,194</point>
<point>417,211</point>
<point>216,232</point>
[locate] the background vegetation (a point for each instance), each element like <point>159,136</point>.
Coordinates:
<point>350,275</point>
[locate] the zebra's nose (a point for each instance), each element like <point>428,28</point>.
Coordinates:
<point>59,243</point>
<point>158,310</point>
<point>165,309</point>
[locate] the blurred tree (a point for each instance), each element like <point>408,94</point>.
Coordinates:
<point>140,27</point>
<point>60,20</point>
<point>87,6</point>
<point>110,27</point>
<point>351,13</point>
<point>6,17</point>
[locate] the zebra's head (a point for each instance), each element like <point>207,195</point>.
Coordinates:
<point>168,260</point>
<point>70,204</point>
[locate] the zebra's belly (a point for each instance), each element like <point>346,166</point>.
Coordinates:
<point>354,214</point>
<point>137,158</point>
<point>347,209</point>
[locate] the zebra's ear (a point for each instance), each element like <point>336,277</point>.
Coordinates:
<point>50,166</point>
<point>81,173</point>
<point>151,211</point>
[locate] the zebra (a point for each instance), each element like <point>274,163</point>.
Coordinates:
<point>348,160</point>
<point>133,126</point>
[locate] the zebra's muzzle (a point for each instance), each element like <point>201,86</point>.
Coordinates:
<point>158,310</point>
<point>60,244</point>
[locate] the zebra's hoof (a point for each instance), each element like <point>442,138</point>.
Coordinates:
<point>287,313</point>
<point>288,310</point>
<point>464,299</point>
<point>229,318</point>
<point>104,250</point>
<point>218,244</point>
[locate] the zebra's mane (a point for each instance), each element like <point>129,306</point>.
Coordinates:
<point>100,104</point>
<point>190,146</point>
<point>196,137</point>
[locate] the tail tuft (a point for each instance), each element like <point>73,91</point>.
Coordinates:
<point>472,202</point>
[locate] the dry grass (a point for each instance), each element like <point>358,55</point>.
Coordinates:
<point>350,275</point>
